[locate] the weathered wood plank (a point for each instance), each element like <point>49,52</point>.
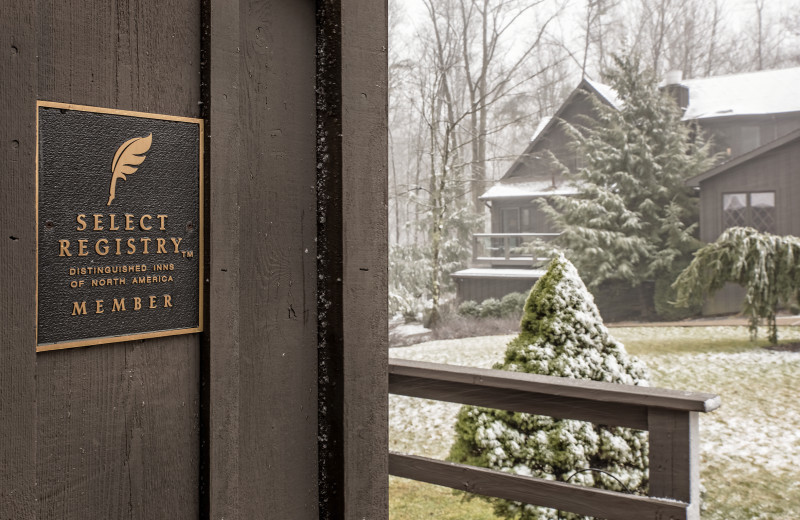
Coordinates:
<point>612,414</point>
<point>554,386</point>
<point>18,64</point>
<point>277,259</point>
<point>675,457</point>
<point>557,495</point>
<point>365,251</point>
<point>117,425</point>
<point>221,454</point>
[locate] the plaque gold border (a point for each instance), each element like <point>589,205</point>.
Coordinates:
<point>136,336</point>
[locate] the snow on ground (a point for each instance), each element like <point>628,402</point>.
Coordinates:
<point>756,428</point>
<point>424,427</point>
<point>758,424</point>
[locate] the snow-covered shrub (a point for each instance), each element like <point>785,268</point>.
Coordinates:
<point>766,265</point>
<point>491,308</point>
<point>561,334</point>
<point>513,304</point>
<point>469,309</point>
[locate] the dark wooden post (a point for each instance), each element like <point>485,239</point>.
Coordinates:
<point>220,472</point>
<point>17,242</point>
<point>297,146</point>
<point>675,457</point>
<point>352,118</point>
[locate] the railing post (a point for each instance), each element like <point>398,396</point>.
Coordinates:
<point>506,249</point>
<point>474,249</point>
<point>675,457</point>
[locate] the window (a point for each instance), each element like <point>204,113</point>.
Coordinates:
<point>527,224</point>
<point>511,220</point>
<point>756,210</point>
<point>750,138</point>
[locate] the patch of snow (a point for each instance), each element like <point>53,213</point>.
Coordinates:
<point>541,126</point>
<point>753,93</point>
<point>756,428</point>
<point>607,92</point>
<point>476,272</point>
<point>409,329</point>
<point>539,188</point>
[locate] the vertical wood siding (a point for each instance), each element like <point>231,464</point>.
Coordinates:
<point>107,431</point>
<point>17,254</point>
<point>776,170</point>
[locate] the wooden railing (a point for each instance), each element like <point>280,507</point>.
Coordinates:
<point>499,248</point>
<point>670,416</point>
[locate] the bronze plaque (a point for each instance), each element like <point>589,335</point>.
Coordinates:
<point>119,217</point>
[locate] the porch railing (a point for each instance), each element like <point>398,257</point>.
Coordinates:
<point>505,248</point>
<point>670,416</point>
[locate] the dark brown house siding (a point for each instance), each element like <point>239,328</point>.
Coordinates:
<point>776,171</point>
<point>529,218</point>
<point>734,136</point>
<point>771,169</point>
<point>535,162</point>
<point>479,289</point>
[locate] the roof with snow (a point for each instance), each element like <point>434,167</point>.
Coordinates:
<point>528,189</point>
<point>541,126</point>
<point>606,92</point>
<point>753,93</point>
<point>533,274</point>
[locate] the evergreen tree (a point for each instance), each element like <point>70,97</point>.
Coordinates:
<point>767,266</point>
<point>561,334</point>
<point>634,219</point>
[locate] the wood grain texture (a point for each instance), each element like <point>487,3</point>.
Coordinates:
<point>675,457</point>
<point>558,495</point>
<point>118,424</point>
<point>541,403</point>
<point>554,386</point>
<point>220,478</point>
<point>277,298</point>
<point>365,250</point>
<point>17,254</point>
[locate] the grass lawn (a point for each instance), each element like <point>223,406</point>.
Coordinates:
<point>750,446</point>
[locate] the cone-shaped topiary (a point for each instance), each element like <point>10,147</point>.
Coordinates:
<point>561,334</point>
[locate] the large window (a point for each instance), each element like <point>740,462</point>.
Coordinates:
<point>756,210</point>
<point>750,138</point>
<point>511,220</point>
<point>522,220</point>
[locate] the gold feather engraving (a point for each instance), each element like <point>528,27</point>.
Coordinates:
<point>127,160</point>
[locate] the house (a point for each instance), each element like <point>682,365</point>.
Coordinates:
<point>754,120</point>
<point>742,113</point>
<point>499,264</point>
<point>759,189</point>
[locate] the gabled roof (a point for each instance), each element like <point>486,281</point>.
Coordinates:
<point>752,93</point>
<point>761,150</point>
<point>604,92</point>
